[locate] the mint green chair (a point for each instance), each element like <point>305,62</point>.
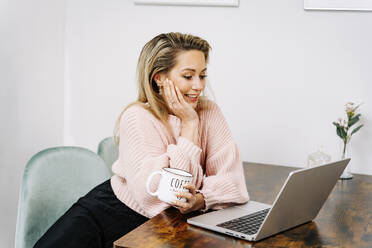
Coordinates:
<point>108,150</point>
<point>53,180</point>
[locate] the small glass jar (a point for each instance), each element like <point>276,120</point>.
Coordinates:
<point>318,158</point>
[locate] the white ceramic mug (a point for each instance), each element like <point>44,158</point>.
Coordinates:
<point>172,181</point>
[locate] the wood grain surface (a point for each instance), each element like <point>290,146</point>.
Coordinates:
<point>344,221</point>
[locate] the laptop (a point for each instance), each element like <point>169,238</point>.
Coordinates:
<point>299,201</point>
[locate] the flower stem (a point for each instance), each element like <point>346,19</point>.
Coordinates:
<point>344,151</point>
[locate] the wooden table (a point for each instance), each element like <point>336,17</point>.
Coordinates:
<point>344,221</point>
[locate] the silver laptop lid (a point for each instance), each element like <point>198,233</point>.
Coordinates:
<point>301,197</point>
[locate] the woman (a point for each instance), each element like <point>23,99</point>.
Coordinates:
<point>170,125</point>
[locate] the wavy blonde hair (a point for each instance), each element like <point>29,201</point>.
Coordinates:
<point>159,56</point>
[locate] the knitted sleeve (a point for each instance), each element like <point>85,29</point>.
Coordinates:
<point>143,149</point>
<point>224,182</point>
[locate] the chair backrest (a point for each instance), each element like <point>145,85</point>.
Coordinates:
<point>53,180</point>
<point>108,150</point>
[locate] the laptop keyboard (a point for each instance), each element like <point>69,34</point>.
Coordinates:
<point>248,224</point>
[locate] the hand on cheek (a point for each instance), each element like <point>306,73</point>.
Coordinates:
<point>176,103</point>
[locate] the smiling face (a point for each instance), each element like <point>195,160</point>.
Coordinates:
<point>189,75</point>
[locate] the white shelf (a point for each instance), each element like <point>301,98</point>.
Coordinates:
<point>360,5</point>
<point>220,3</point>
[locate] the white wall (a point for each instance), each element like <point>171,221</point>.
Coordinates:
<point>31,90</point>
<point>280,74</point>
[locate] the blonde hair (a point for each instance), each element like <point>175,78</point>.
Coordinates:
<point>159,56</point>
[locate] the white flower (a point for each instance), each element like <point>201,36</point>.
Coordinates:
<point>349,107</point>
<point>344,123</point>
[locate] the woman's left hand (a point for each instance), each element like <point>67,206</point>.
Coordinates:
<point>194,201</point>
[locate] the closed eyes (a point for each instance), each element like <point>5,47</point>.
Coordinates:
<point>190,77</point>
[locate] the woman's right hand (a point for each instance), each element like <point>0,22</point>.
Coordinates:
<point>177,104</point>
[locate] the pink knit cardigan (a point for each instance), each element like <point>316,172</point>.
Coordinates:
<point>145,147</point>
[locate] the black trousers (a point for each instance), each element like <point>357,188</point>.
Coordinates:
<point>95,220</point>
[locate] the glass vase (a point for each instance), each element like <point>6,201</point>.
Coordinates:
<point>346,174</point>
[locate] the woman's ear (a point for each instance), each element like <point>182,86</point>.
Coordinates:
<point>159,79</point>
